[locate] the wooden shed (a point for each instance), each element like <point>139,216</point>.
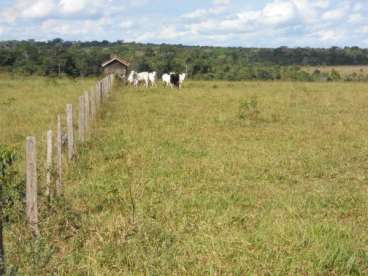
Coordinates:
<point>117,66</point>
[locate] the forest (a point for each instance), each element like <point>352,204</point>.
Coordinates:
<point>80,59</point>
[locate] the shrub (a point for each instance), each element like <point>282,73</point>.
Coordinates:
<point>248,110</point>
<point>11,188</point>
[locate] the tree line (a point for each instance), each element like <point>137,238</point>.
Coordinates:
<point>79,59</point>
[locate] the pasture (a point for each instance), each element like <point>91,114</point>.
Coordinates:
<point>217,178</point>
<point>344,70</point>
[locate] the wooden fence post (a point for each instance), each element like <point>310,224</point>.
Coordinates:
<point>101,92</point>
<point>92,96</point>
<point>86,113</point>
<point>2,251</point>
<point>59,157</point>
<point>49,163</point>
<point>108,84</point>
<point>97,100</point>
<point>107,88</point>
<point>70,131</point>
<point>98,94</point>
<point>31,185</point>
<point>82,130</point>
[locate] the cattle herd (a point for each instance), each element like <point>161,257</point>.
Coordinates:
<point>150,79</point>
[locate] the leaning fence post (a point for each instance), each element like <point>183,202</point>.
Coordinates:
<point>48,163</point>
<point>59,156</point>
<point>82,134</point>
<point>70,131</point>
<point>31,185</point>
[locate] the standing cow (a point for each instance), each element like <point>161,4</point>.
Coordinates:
<point>133,78</point>
<point>173,79</point>
<point>181,79</point>
<point>152,77</point>
<point>166,80</point>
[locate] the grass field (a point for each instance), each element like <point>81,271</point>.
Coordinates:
<point>343,70</point>
<point>219,178</point>
<point>28,105</point>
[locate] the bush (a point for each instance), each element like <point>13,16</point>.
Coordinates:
<point>248,110</point>
<point>11,187</point>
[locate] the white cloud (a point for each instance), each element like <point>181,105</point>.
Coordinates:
<point>279,12</point>
<point>72,6</point>
<point>66,27</point>
<point>83,6</point>
<point>330,35</point>
<point>218,7</point>
<point>215,22</point>
<point>221,2</point>
<point>126,24</point>
<point>24,9</point>
<point>38,9</point>
<point>195,14</point>
<point>334,14</point>
<point>365,29</point>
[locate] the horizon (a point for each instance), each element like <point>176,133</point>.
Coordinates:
<point>176,44</point>
<point>215,23</point>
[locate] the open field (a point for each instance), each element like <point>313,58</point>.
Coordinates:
<point>219,178</point>
<point>343,70</point>
<point>28,105</point>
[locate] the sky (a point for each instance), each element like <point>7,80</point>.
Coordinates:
<point>246,23</point>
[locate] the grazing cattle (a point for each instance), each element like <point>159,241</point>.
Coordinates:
<point>143,77</point>
<point>133,78</point>
<point>166,80</point>
<point>175,80</point>
<point>152,77</point>
<point>181,79</point>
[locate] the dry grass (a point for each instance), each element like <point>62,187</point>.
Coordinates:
<point>343,70</point>
<point>177,183</point>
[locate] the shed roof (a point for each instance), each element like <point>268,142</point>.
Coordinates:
<point>120,60</point>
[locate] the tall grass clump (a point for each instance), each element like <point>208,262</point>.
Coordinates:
<point>248,110</point>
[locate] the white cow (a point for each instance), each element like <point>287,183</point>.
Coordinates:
<point>181,79</point>
<point>166,78</point>
<point>152,77</point>
<point>133,78</point>
<point>143,77</point>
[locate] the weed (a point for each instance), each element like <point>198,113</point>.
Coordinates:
<point>248,110</point>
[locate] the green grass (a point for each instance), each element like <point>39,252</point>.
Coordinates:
<point>177,182</point>
<point>28,105</point>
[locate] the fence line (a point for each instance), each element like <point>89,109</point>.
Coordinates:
<point>89,104</point>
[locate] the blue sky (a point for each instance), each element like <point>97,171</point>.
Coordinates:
<point>253,23</point>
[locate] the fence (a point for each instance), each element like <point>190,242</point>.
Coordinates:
<point>89,105</point>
